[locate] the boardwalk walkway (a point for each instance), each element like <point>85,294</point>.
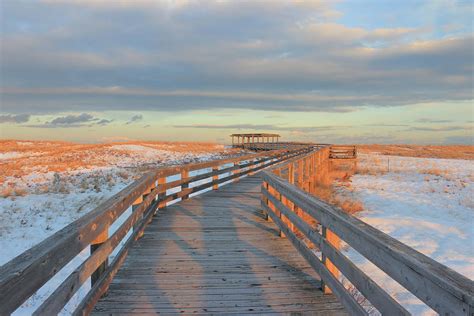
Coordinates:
<point>215,253</point>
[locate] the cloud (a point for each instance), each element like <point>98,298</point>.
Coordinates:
<point>73,120</point>
<point>428,120</point>
<point>135,118</point>
<point>266,55</point>
<point>230,126</point>
<point>438,129</point>
<point>11,118</point>
<point>104,122</point>
<point>271,127</point>
<point>385,125</point>
<point>176,100</point>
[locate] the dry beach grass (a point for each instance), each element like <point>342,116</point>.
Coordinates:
<point>26,164</point>
<point>421,151</point>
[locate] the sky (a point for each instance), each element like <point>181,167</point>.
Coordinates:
<point>351,71</point>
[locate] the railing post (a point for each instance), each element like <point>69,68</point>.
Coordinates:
<point>286,202</point>
<point>236,164</point>
<point>334,240</point>
<point>184,186</point>
<point>311,174</point>
<point>256,165</point>
<point>135,205</point>
<point>291,173</point>
<point>290,224</point>
<point>300,181</point>
<point>95,276</point>
<point>265,201</point>
<point>307,174</point>
<point>161,203</point>
<point>215,177</point>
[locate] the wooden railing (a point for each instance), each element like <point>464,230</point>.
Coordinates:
<point>311,224</point>
<point>342,152</point>
<point>24,275</point>
<point>262,146</point>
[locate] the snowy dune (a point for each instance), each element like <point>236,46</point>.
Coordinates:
<point>425,203</point>
<point>47,185</point>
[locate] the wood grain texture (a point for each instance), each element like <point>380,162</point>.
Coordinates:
<point>215,253</point>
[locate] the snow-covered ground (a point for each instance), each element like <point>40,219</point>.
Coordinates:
<point>423,202</point>
<point>43,190</point>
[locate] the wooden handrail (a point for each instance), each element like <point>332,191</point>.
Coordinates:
<point>342,151</point>
<point>25,274</point>
<point>441,288</point>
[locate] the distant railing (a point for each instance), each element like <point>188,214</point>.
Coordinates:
<point>342,152</point>
<point>262,146</point>
<point>287,200</point>
<point>24,275</point>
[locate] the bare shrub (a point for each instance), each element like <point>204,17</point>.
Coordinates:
<point>42,188</point>
<point>122,174</point>
<point>84,185</point>
<point>6,192</point>
<point>352,207</point>
<point>20,191</point>
<point>434,172</point>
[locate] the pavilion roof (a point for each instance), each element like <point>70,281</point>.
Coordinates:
<point>255,135</point>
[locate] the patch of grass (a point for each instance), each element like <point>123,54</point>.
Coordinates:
<point>6,192</point>
<point>434,172</point>
<point>19,191</point>
<point>422,151</point>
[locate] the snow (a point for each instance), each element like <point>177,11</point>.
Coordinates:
<point>423,202</point>
<point>50,200</point>
<point>10,155</point>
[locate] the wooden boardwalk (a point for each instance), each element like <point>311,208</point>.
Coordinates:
<point>215,254</point>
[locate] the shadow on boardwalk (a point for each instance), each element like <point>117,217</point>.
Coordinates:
<point>216,253</point>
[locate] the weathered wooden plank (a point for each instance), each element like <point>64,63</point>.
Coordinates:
<point>214,301</point>
<point>326,309</point>
<point>284,288</point>
<point>212,286</point>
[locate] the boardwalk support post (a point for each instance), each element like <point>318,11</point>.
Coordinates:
<point>103,266</point>
<point>185,185</point>
<point>215,178</point>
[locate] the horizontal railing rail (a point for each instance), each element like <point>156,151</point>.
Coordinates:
<point>276,145</point>
<point>309,222</point>
<point>24,275</point>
